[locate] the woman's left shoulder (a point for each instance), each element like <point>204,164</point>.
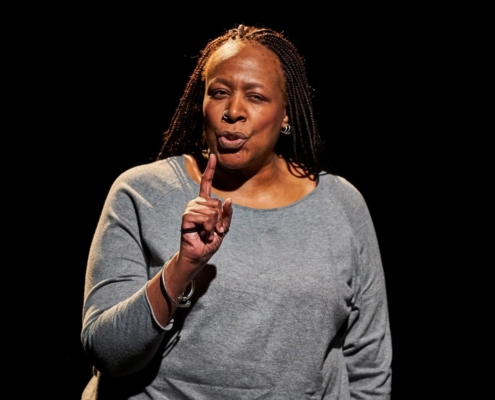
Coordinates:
<point>340,190</point>
<point>350,203</point>
<point>345,197</point>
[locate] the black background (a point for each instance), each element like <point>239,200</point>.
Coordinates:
<point>111,84</point>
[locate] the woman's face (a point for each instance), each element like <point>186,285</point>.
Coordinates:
<point>244,80</point>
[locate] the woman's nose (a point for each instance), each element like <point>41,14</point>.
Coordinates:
<point>235,110</point>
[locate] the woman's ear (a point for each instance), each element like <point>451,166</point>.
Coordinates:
<point>285,121</point>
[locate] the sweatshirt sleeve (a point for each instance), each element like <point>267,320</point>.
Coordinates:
<point>119,333</point>
<point>367,344</point>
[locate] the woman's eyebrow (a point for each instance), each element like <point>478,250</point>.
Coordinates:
<point>246,85</point>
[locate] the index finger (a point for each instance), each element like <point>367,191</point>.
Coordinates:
<point>207,177</point>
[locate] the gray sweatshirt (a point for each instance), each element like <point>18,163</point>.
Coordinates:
<point>292,306</point>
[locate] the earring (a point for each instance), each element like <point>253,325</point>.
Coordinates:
<point>225,117</point>
<point>286,130</point>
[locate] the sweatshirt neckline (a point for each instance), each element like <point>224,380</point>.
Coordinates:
<point>181,160</point>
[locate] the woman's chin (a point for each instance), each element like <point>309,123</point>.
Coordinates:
<point>231,161</point>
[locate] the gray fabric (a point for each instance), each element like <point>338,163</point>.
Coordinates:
<point>292,306</point>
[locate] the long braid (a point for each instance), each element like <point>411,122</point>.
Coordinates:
<point>307,146</point>
<point>304,147</point>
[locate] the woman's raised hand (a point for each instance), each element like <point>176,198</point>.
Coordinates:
<point>205,222</point>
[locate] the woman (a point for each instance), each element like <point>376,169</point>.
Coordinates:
<point>257,278</point>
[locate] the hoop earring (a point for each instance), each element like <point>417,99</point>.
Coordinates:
<point>286,130</point>
<point>225,117</point>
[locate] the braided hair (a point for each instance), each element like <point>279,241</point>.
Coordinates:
<point>303,148</point>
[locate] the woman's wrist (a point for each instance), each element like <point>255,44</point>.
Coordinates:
<point>177,276</point>
<point>179,301</point>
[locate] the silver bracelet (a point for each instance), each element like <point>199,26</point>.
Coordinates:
<point>182,301</point>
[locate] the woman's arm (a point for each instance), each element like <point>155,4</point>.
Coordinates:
<point>125,313</point>
<point>204,223</point>
<point>367,344</point>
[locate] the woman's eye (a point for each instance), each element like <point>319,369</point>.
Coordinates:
<point>256,97</point>
<point>218,93</point>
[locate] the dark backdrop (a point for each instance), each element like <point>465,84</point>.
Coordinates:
<point>118,82</point>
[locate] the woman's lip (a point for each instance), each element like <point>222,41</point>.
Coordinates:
<point>231,140</point>
<point>231,143</point>
<point>232,135</point>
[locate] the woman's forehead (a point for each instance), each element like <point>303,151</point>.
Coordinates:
<point>233,48</point>
<point>224,52</point>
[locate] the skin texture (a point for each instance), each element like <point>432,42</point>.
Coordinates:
<point>247,82</point>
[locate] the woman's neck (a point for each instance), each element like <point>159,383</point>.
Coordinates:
<point>276,185</point>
